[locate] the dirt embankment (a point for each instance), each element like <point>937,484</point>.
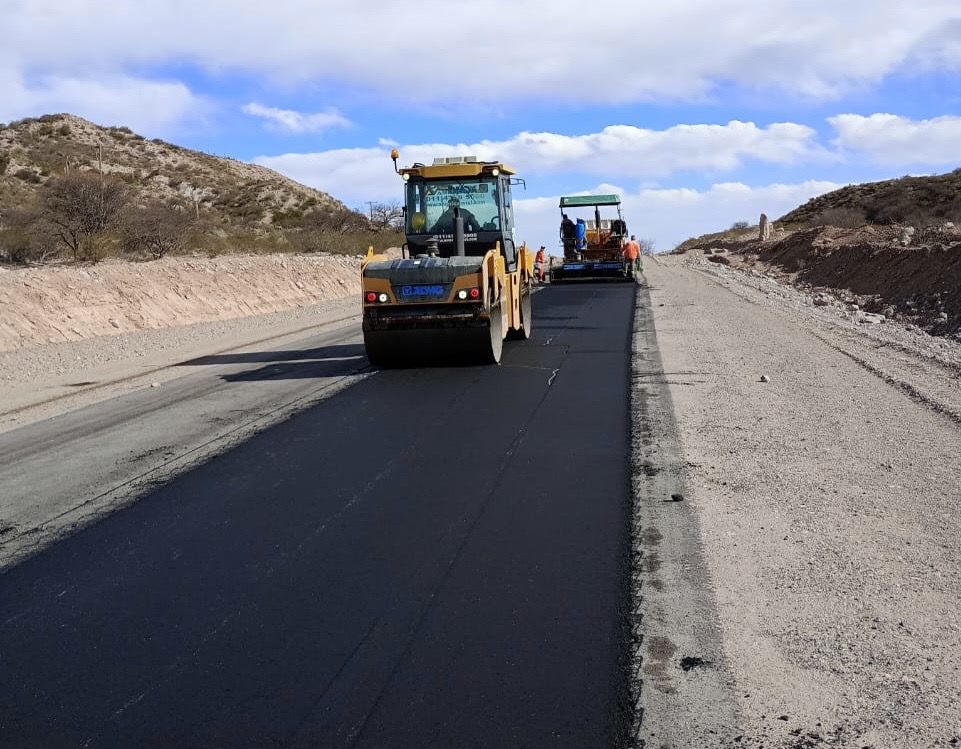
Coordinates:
<point>70,303</point>
<point>919,282</point>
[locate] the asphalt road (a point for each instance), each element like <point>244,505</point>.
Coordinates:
<point>430,558</point>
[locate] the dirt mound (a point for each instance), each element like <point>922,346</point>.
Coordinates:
<point>70,303</point>
<point>921,281</point>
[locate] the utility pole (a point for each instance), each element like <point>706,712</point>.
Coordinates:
<point>370,206</point>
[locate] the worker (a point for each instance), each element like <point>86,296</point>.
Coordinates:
<point>445,222</point>
<point>580,232</point>
<point>568,237</point>
<point>632,255</point>
<point>638,263</point>
<point>539,260</point>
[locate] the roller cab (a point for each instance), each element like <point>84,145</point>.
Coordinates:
<point>463,286</point>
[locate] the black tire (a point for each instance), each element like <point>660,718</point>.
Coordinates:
<point>496,327</point>
<point>527,321</point>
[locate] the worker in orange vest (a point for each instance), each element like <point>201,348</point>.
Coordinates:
<point>632,256</point>
<point>539,264</point>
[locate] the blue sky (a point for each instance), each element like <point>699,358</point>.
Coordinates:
<point>700,113</point>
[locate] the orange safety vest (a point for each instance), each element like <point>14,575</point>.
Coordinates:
<point>632,251</point>
<point>539,257</point>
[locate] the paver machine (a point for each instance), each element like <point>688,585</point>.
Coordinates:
<point>592,247</point>
<point>463,285</point>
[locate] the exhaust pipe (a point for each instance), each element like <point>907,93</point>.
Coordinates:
<point>459,248</point>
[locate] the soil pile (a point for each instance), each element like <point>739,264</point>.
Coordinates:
<point>891,269</point>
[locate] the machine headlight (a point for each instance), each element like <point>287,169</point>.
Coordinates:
<point>462,294</point>
<point>382,298</point>
<point>495,171</point>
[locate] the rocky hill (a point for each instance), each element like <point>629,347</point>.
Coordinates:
<point>234,193</point>
<point>918,201</point>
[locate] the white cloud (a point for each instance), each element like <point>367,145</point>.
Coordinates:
<point>892,140</point>
<point>431,52</point>
<point>669,216</point>
<point>619,151</point>
<point>297,122</point>
<point>148,106</point>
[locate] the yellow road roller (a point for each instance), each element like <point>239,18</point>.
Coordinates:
<point>463,285</point>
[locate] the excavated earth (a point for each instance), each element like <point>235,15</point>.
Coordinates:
<point>65,303</point>
<point>918,283</point>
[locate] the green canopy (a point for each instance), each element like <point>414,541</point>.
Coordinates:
<point>572,201</point>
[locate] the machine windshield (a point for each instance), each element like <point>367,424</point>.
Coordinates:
<point>430,206</point>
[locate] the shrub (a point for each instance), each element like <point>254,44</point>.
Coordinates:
<point>845,218</point>
<point>740,226</point>
<point>4,162</point>
<point>27,175</point>
<point>27,238</point>
<point>157,228</point>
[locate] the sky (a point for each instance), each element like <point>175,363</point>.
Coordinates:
<point>698,113</point>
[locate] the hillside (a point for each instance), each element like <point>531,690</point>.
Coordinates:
<point>919,201</point>
<point>33,151</point>
<point>70,189</point>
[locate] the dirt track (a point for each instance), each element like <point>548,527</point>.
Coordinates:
<point>827,506</point>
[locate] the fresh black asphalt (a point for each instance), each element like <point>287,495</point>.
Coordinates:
<point>432,558</point>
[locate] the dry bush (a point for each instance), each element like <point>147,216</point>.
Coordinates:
<point>81,206</point>
<point>646,245</point>
<point>740,226</point>
<point>27,175</point>
<point>845,218</point>
<point>26,238</point>
<point>4,162</point>
<point>157,229</point>
<point>339,220</point>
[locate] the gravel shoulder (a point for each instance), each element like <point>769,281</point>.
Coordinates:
<point>41,382</point>
<point>826,505</point>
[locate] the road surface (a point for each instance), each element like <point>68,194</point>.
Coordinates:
<point>428,557</point>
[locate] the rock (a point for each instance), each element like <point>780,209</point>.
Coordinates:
<point>155,384</point>
<point>854,307</point>
<point>765,378</point>
<point>677,497</point>
<point>764,226</point>
<point>822,300</point>
<point>889,311</point>
<point>720,259</point>
<point>907,235</point>
<point>943,316</point>
<point>115,323</point>
<point>869,318</point>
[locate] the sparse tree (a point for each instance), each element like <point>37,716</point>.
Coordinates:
<point>740,226</point>
<point>81,206</point>
<point>157,228</point>
<point>647,246</point>
<point>386,215</point>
